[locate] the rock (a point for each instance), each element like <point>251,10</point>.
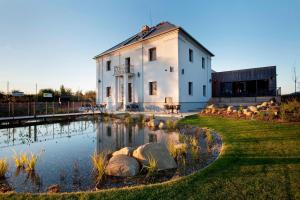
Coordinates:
<point>253,109</point>
<point>159,152</point>
<point>213,111</point>
<point>53,189</point>
<point>245,110</point>
<point>124,151</point>
<point>229,108</point>
<point>122,165</point>
<point>162,125</point>
<point>211,106</point>
<point>5,188</point>
<point>248,113</point>
<point>207,111</point>
<point>264,104</point>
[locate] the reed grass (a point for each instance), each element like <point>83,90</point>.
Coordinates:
<point>172,150</point>
<point>20,160</point>
<point>3,168</point>
<point>170,124</point>
<point>152,167</point>
<point>99,164</point>
<point>31,162</point>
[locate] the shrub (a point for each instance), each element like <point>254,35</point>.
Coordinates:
<point>99,163</point>
<point>290,111</point>
<point>3,168</point>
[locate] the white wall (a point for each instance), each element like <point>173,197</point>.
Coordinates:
<point>172,50</point>
<point>193,72</point>
<point>158,70</point>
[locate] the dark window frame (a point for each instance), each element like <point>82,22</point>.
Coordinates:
<point>153,88</point>
<point>203,63</point>
<point>152,54</point>
<point>191,55</point>
<point>190,88</point>
<point>204,90</point>
<point>108,91</point>
<point>108,65</point>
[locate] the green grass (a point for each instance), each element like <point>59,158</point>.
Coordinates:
<point>260,160</point>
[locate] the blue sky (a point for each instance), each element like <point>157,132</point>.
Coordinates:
<point>53,42</point>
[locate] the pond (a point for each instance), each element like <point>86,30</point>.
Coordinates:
<point>64,153</point>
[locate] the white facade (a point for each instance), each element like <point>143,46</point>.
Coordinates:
<point>172,57</point>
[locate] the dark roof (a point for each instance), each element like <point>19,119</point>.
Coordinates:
<point>245,74</point>
<point>159,29</point>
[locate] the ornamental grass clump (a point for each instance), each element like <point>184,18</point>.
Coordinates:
<point>152,167</point>
<point>31,162</point>
<point>99,164</point>
<point>170,124</point>
<point>171,148</point>
<point>20,160</point>
<point>3,168</point>
<point>209,138</point>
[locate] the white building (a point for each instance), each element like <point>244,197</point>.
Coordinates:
<point>159,65</point>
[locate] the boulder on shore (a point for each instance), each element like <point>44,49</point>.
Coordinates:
<point>157,151</point>
<point>253,109</point>
<point>122,165</point>
<point>154,123</point>
<point>124,151</point>
<point>53,189</point>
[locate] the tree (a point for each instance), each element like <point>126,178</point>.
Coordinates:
<point>90,95</point>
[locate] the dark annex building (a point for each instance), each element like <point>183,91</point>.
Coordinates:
<point>252,82</point>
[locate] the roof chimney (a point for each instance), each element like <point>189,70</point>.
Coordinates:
<point>145,28</point>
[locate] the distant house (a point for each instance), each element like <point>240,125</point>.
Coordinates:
<point>158,65</point>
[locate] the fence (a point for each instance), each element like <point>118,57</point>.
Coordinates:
<point>14,109</point>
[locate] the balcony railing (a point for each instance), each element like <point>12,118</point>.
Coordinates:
<point>123,69</point>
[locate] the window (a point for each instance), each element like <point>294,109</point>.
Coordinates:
<point>127,65</point>
<point>108,63</point>
<point>152,54</point>
<point>153,88</point>
<point>108,91</point>
<point>171,69</point>
<point>190,88</point>
<point>182,71</point>
<point>203,63</point>
<point>190,55</point>
<point>204,90</point>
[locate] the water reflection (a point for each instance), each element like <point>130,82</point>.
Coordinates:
<point>67,149</point>
<point>113,136</point>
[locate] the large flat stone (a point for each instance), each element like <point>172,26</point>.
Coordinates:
<point>159,152</point>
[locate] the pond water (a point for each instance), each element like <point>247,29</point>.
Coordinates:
<point>64,151</point>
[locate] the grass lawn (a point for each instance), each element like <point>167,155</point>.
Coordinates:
<point>260,160</point>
